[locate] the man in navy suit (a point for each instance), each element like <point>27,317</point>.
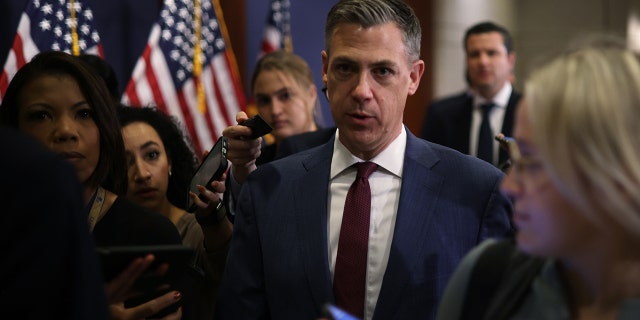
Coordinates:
<point>429,204</point>
<point>455,121</point>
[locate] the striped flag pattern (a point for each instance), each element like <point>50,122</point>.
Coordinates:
<point>277,31</point>
<point>47,25</point>
<point>188,71</point>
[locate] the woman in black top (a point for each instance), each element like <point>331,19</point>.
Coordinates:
<point>55,99</point>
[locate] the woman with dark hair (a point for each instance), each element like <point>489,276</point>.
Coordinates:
<point>58,101</point>
<point>161,163</point>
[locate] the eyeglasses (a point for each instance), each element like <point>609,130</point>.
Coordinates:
<point>527,167</point>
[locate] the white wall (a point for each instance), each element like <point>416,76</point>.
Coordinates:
<point>539,28</point>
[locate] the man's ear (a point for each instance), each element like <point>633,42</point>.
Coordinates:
<point>416,72</point>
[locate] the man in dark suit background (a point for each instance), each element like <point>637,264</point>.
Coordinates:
<point>429,205</point>
<point>455,121</point>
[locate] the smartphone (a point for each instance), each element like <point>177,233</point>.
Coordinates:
<point>258,126</point>
<point>211,168</point>
<point>335,313</point>
<point>115,259</point>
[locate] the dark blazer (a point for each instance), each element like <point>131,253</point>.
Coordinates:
<point>49,268</point>
<point>278,264</point>
<point>448,122</point>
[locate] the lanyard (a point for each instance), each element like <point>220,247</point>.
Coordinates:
<point>96,207</point>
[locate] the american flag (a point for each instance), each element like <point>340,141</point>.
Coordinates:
<point>190,75</point>
<point>51,25</point>
<point>277,31</point>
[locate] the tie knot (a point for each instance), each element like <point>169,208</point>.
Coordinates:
<point>365,169</point>
<point>486,108</point>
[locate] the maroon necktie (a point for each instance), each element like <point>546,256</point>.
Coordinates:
<point>351,262</point>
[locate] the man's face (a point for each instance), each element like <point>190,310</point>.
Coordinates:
<point>489,66</point>
<point>368,78</point>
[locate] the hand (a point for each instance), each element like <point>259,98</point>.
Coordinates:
<point>242,152</point>
<point>147,309</point>
<point>212,198</point>
<point>120,289</point>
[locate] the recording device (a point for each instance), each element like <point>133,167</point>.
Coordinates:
<point>258,126</point>
<point>150,284</point>
<point>115,259</point>
<point>335,313</point>
<point>212,168</point>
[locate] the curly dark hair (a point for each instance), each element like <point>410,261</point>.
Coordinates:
<point>110,172</point>
<point>178,146</point>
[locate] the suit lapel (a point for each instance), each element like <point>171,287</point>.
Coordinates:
<point>311,202</point>
<point>418,196</point>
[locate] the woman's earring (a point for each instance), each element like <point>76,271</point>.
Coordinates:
<point>169,173</point>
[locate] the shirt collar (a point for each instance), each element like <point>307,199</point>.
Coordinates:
<point>501,99</point>
<point>391,158</point>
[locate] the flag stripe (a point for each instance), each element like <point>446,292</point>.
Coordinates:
<point>163,75</point>
<point>44,26</point>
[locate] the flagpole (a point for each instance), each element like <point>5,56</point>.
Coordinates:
<point>225,36</point>
<point>197,56</point>
<point>75,49</point>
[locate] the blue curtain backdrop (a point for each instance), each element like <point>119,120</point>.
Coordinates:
<point>124,27</point>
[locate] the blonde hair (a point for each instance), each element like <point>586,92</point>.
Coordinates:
<point>585,112</point>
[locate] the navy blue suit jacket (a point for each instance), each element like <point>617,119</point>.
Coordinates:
<point>448,122</point>
<point>278,264</point>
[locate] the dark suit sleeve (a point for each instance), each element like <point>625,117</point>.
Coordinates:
<point>242,293</point>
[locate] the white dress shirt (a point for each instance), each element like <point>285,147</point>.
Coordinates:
<point>385,185</point>
<point>496,118</point>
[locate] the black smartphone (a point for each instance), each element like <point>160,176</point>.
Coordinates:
<point>211,168</point>
<point>258,126</point>
<point>150,284</point>
<point>115,259</point>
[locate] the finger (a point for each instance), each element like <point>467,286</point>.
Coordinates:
<point>120,287</point>
<point>208,194</point>
<point>218,187</point>
<point>154,306</point>
<point>241,117</point>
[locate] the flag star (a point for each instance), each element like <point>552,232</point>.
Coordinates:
<point>177,41</point>
<point>83,44</point>
<point>174,54</point>
<point>180,26</point>
<point>95,37</point>
<point>36,3</point>
<point>61,2</point>
<point>219,44</point>
<point>60,15</point>
<point>57,31</point>
<point>166,34</point>
<point>46,9</point>
<point>88,14</point>
<point>67,38</point>
<point>70,22</point>
<point>184,13</point>
<point>213,24</point>
<point>77,6</point>
<point>85,29</point>
<point>55,46</point>
<point>45,25</point>
<point>180,75</point>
